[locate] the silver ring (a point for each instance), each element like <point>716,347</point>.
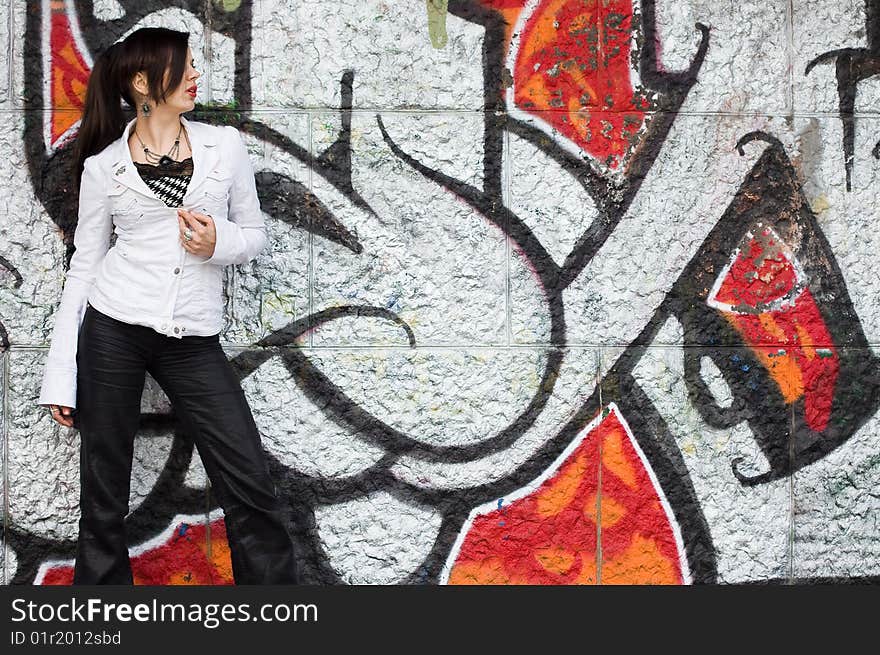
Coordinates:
<point>187,234</point>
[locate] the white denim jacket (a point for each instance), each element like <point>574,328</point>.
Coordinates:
<point>147,277</point>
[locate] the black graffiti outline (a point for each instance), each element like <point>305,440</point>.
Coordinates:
<point>852,66</point>
<point>304,492</point>
<point>611,199</point>
<point>17,281</point>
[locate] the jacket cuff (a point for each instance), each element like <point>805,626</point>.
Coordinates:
<point>235,244</point>
<point>221,255</point>
<point>58,387</point>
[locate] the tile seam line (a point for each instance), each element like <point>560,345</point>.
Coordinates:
<point>789,28</point>
<point>492,346</point>
<point>285,110</point>
<point>4,429</point>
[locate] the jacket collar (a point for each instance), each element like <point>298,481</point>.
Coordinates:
<point>124,171</point>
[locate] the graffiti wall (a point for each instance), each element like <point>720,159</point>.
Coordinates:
<point>557,291</point>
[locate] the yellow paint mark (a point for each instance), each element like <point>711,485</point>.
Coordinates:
<point>280,302</point>
<point>437,22</point>
<point>229,5</point>
<point>820,204</point>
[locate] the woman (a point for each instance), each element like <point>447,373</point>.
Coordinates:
<point>181,198</point>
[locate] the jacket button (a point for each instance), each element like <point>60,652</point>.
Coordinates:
<point>176,330</point>
<point>177,270</point>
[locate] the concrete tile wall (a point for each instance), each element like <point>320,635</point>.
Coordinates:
<point>467,289</point>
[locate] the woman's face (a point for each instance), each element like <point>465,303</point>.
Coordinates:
<point>183,98</point>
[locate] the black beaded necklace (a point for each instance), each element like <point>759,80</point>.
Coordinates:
<point>162,160</point>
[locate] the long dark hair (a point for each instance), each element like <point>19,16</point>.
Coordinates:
<point>150,49</point>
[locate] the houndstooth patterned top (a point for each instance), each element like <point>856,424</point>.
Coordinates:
<point>168,182</point>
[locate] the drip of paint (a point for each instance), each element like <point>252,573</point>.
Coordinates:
<point>437,22</point>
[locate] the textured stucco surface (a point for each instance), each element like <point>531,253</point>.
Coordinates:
<point>434,361</point>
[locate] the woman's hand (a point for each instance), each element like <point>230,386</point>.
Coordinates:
<point>62,414</point>
<point>204,235</point>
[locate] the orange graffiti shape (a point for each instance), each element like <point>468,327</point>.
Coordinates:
<point>547,532</point>
<point>763,298</point>
<point>68,71</point>
<point>573,71</point>
<point>181,559</point>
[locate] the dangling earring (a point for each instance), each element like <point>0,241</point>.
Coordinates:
<point>145,108</point>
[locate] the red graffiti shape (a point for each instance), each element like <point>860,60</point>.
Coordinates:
<point>763,296</point>
<point>181,559</point>
<point>547,532</point>
<point>68,73</point>
<point>573,71</point>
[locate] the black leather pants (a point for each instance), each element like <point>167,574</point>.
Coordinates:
<point>194,372</point>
